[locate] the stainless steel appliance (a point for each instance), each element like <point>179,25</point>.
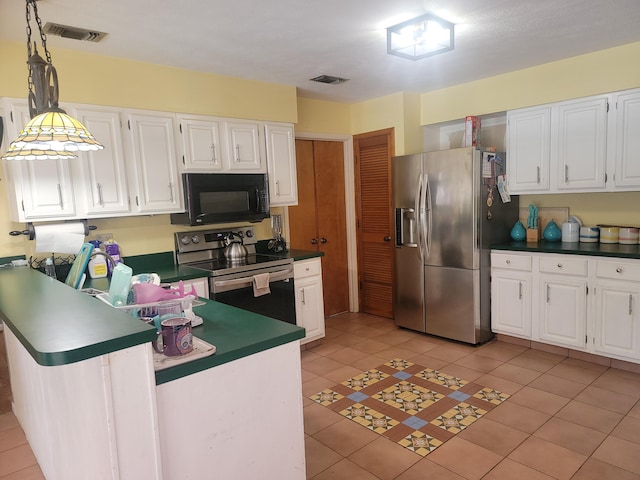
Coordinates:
<point>231,280</point>
<point>447,215</point>
<point>223,198</point>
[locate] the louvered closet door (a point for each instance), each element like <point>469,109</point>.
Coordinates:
<point>373,196</point>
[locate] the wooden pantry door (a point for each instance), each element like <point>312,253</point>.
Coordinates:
<point>318,222</point>
<point>374,221</point>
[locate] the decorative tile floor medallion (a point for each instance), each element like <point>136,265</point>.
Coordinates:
<point>417,407</point>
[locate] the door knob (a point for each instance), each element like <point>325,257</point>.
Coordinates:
<point>387,238</point>
<point>314,241</point>
<point>323,240</point>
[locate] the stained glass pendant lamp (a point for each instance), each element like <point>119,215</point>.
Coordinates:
<point>50,134</point>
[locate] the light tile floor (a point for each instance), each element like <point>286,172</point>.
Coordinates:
<point>566,419</point>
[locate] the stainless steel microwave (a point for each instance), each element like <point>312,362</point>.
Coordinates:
<point>223,198</point>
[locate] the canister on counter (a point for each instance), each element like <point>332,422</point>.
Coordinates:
<point>628,235</point>
<point>471,131</point>
<point>609,234</point>
<point>589,234</point>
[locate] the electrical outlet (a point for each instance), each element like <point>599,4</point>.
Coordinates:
<point>103,237</point>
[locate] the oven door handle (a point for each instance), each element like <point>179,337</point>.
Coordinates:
<point>273,277</point>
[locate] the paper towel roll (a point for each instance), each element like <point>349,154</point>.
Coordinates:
<point>65,237</point>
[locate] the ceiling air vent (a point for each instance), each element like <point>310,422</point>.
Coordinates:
<point>73,33</point>
<point>329,79</point>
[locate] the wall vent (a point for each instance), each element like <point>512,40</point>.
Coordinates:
<point>73,33</point>
<point>331,80</point>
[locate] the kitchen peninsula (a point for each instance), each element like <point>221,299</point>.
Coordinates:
<point>92,406</point>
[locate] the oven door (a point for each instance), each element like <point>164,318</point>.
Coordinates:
<point>237,290</point>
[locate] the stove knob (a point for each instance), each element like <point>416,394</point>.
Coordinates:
<point>248,234</point>
<point>184,240</point>
<point>195,239</point>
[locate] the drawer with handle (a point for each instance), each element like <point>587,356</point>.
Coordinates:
<point>511,262</point>
<point>629,271</point>
<point>564,265</point>
<point>306,268</point>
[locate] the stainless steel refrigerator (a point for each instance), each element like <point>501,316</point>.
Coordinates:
<point>448,213</point>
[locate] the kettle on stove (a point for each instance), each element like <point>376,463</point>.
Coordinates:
<point>235,250</point>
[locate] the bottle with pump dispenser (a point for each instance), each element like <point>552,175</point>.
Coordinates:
<point>97,266</point>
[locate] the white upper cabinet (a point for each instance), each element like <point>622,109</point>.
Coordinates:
<point>580,147</point>
<point>557,148</point>
<point>627,139</point>
<point>202,150</point>
<point>529,149</point>
<point>138,171</point>
<point>42,189</point>
<point>281,164</point>
<point>103,171</point>
<point>156,182</point>
<point>244,148</point>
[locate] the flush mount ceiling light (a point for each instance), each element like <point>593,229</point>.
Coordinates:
<point>51,133</point>
<point>420,37</point>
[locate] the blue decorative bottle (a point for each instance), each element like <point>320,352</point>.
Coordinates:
<point>518,231</point>
<point>552,232</point>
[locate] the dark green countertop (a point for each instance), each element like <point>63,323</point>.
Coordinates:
<point>59,325</point>
<point>577,248</point>
<point>235,333</point>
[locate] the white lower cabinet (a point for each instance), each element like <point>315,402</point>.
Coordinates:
<point>307,275</point>
<point>562,300</point>
<point>580,302</point>
<point>617,310</point>
<point>562,311</point>
<point>511,294</point>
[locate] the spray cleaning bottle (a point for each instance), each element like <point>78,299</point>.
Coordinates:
<point>113,250</point>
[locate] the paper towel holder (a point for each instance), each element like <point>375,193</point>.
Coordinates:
<point>31,232</point>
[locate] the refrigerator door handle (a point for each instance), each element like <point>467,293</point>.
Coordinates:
<point>420,217</point>
<point>427,208</point>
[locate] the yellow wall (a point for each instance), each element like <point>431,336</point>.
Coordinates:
<point>599,72</point>
<point>318,116</point>
<point>400,111</point>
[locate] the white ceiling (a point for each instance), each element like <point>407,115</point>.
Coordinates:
<point>290,41</point>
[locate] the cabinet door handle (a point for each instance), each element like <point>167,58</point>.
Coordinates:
<point>547,293</point>
<point>314,241</point>
<point>508,262</point>
<point>566,174</point>
<point>278,188</point>
<point>630,304</point>
<point>100,199</point>
<point>520,290</point>
<point>559,265</point>
<point>538,174</point>
<point>619,270</point>
<point>213,152</point>
<point>304,300</point>
<point>237,153</point>
<point>171,192</point>
<point>387,238</point>
<point>60,201</point>
<point>323,240</point>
